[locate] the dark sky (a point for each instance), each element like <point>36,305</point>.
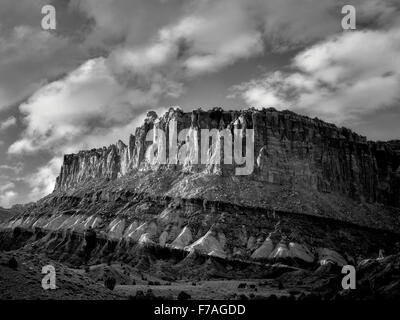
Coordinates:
<point>89,82</point>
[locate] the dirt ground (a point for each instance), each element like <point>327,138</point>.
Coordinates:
<point>24,282</point>
<point>21,279</point>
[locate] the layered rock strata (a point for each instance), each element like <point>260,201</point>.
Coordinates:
<point>289,150</point>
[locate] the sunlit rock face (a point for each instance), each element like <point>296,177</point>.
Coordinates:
<point>289,150</point>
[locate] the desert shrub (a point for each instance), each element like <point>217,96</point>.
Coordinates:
<point>110,283</point>
<point>109,261</point>
<point>184,296</point>
<point>138,296</point>
<point>13,263</point>
<point>150,295</point>
<point>242,285</point>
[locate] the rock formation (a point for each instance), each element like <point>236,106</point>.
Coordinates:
<point>290,150</point>
<point>318,193</point>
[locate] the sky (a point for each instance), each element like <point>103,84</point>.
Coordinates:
<point>91,81</point>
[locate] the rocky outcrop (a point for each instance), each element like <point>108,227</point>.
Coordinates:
<point>326,256</point>
<point>6,214</point>
<point>289,150</point>
<point>208,244</point>
<point>183,239</point>
<point>301,252</point>
<point>264,251</point>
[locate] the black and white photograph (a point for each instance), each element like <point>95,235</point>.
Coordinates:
<point>200,158</point>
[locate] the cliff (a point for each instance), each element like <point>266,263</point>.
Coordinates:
<point>290,151</point>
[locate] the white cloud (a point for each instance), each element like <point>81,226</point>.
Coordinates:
<point>7,195</point>
<point>9,122</point>
<point>42,182</point>
<point>7,186</point>
<point>212,36</point>
<point>339,79</point>
<point>16,169</point>
<point>30,56</point>
<point>89,101</point>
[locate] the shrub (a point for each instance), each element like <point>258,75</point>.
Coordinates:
<point>150,295</point>
<point>13,263</point>
<point>109,261</point>
<point>138,296</point>
<point>184,296</point>
<point>110,283</point>
<point>242,285</point>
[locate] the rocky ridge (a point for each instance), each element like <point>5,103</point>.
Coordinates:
<point>289,150</point>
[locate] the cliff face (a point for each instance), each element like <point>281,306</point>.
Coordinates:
<point>290,151</point>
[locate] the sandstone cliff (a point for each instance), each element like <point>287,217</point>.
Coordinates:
<point>290,150</point>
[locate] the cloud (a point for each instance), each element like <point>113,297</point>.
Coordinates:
<point>9,122</point>
<point>17,169</point>
<point>194,37</point>
<point>282,23</point>
<point>29,57</point>
<point>205,36</point>
<point>42,181</point>
<point>7,195</point>
<point>340,79</point>
<point>214,35</point>
<point>91,100</point>
<point>126,22</point>
<point>289,24</point>
<point>7,186</point>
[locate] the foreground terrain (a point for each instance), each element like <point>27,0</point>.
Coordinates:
<point>376,279</point>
